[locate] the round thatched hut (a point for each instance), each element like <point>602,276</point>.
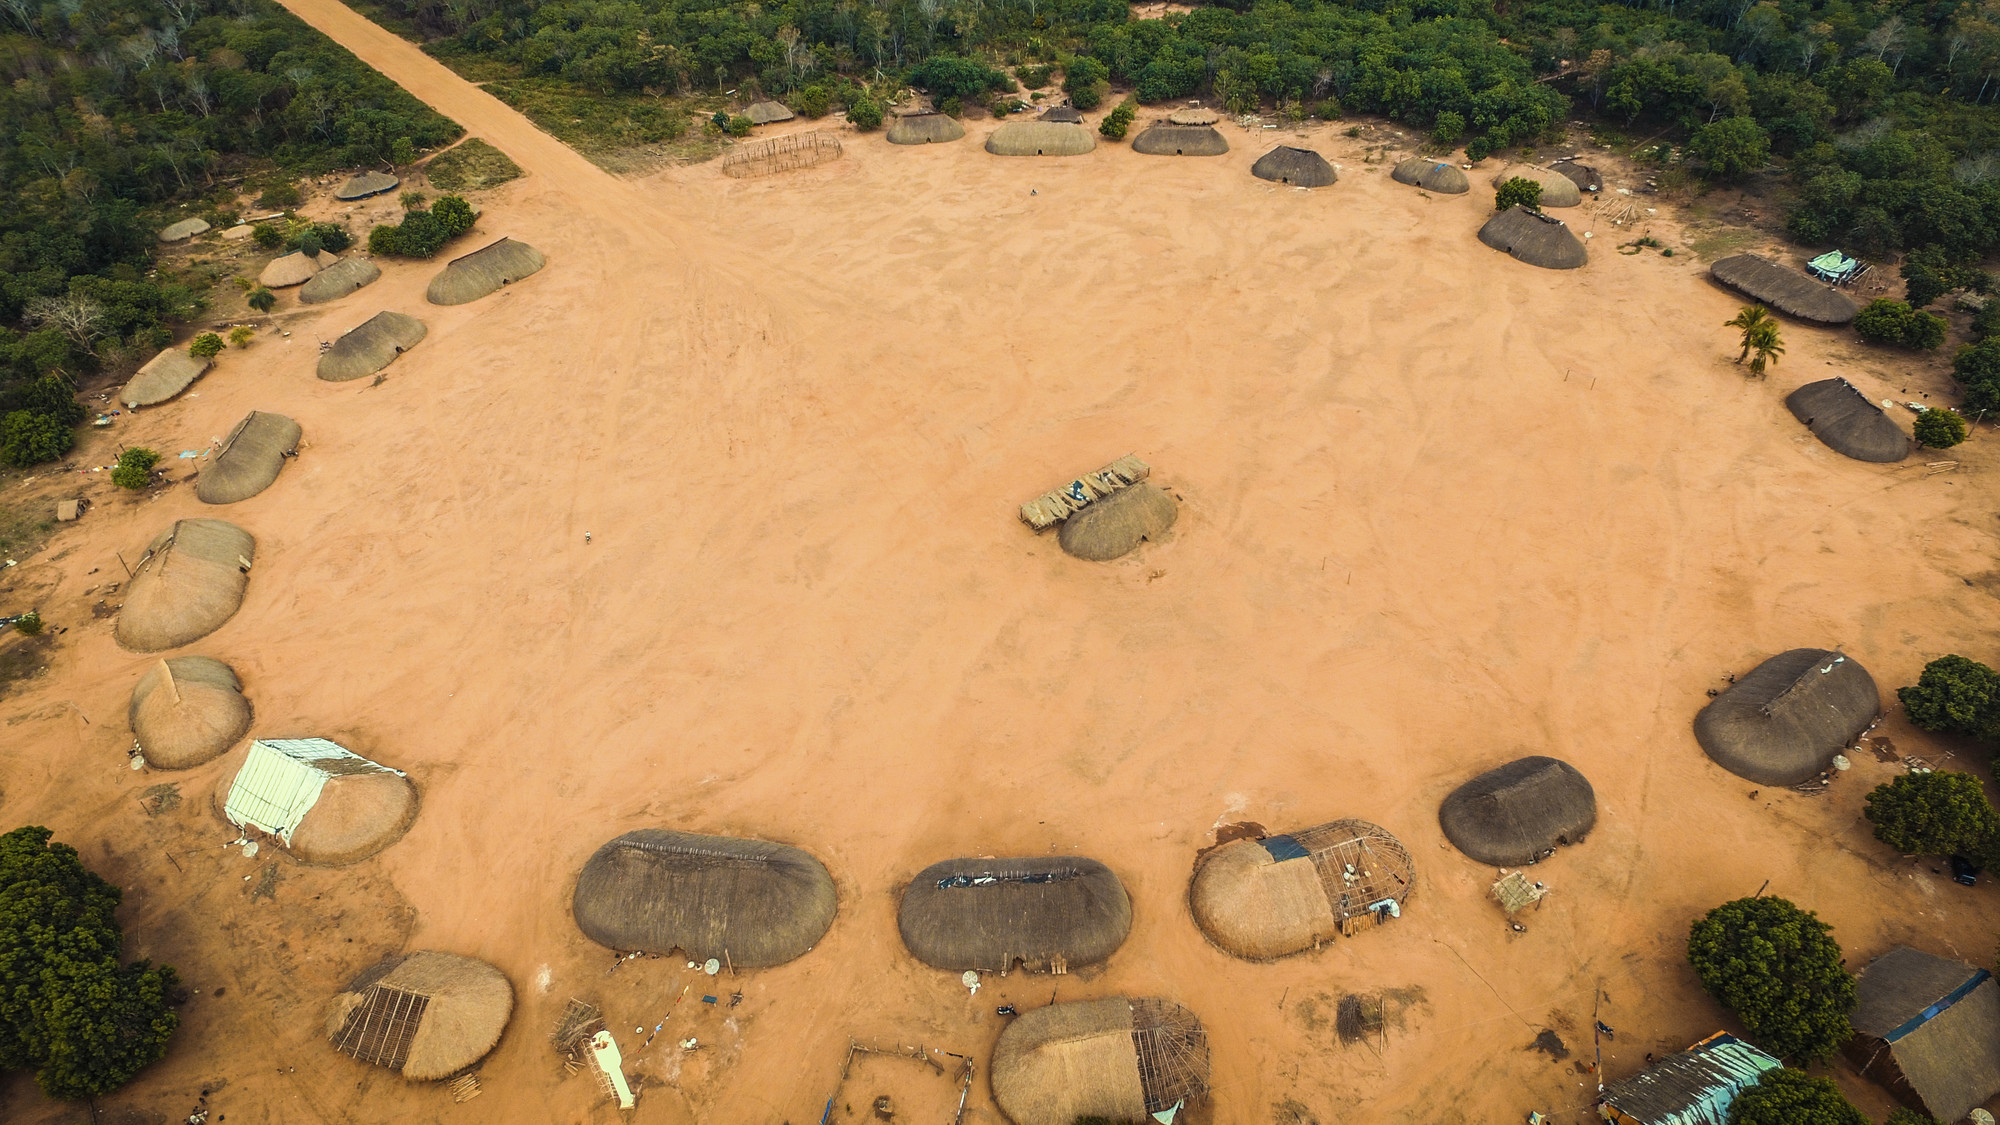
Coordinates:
<point>1048,912</point>
<point>1534,238</point>
<point>338,280</point>
<point>1164,138</point>
<point>294,268</point>
<point>767,113</point>
<point>187,710</point>
<point>1782,723</point>
<point>483,271</point>
<point>1520,812</point>
<point>1116,1059</point>
<point>1115,525</point>
<point>1062,114</point>
<point>190,580</point>
<point>163,377</point>
<point>1040,138</point>
<point>183,230</point>
<point>1430,175</point>
<point>924,129</point>
<point>1558,190</point>
<point>1847,422</point>
<point>1265,898</point>
<point>426,1014</point>
<point>250,459</point>
<point>1788,291</point>
<point>1299,167</point>
<point>366,184</point>
<point>321,802</point>
<point>1194,116</point>
<point>370,346</point>
<point>750,903</point>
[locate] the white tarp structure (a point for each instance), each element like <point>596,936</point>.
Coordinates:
<point>281,781</point>
<point>611,1068</point>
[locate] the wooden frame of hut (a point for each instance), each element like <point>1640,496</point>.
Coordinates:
<point>426,1014</point>
<point>1273,896</point>
<point>1694,1087</point>
<point>1117,1058</point>
<point>1927,1029</point>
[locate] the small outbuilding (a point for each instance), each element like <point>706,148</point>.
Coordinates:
<point>338,280</point>
<point>1046,913</point>
<point>1265,898</point>
<point>295,268</point>
<point>751,904</point>
<point>1788,291</point>
<point>768,113</point>
<point>1431,175</point>
<point>1164,138</point>
<point>1519,813</point>
<point>1558,190</point>
<point>250,458</point>
<point>1040,138</point>
<point>187,711</point>
<point>1586,178</point>
<point>483,271</point>
<point>1114,526</point>
<point>163,377</point>
<point>1927,1028</point>
<point>1842,417</point>
<point>1062,114</point>
<point>924,129</point>
<point>370,346</point>
<point>426,1014</point>
<point>183,230</point>
<point>1193,115</point>
<point>1537,239</point>
<point>365,185</point>
<point>1694,1087</point>
<point>1782,723</point>
<point>1116,1059</point>
<point>322,803</point>
<point>1299,167</point>
<point>190,580</point>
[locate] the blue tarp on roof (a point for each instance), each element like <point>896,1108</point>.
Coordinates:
<point>1937,1009</point>
<point>1694,1087</point>
<point>1285,847</point>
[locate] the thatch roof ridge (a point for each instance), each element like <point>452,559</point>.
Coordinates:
<point>370,346</point>
<point>338,280</point>
<point>1782,722</point>
<point>1040,138</point>
<point>1431,175</point>
<point>1839,415</point>
<point>924,128</point>
<point>1299,167</point>
<point>190,580</point>
<point>163,377</point>
<point>186,711</point>
<point>250,459</point>
<point>471,276</point>
<point>1899,985</point>
<point>1786,290</point>
<point>1164,138</point>
<point>1558,190</point>
<point>1519,812</point>
<point>1115,525</point>
<point>1532,237</point>
<point>464,1009</point>
<point>1041,911</point>
<point>366,184</point>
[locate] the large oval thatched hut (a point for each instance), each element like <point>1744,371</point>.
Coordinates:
<point>1431,175</point>
<point>1558,190</point>
<point>295,268</point>
<point>1040,138</point>
<point>1048,912</point>
<point>1783,722</point>
<point>1116,1059</point>
<point>1265,898</point>
<point>426,1014</point>
<point>1520,812</point>
<point>483,271</point>
<point>1847,422</point>
<point>183,230</point>
<point>750,903</point>
<point>338,280</point>
<point>924,129</point>
<point>187,710</point>
<point>1299,167</point>
<point>1788,291</point>
<point>370,346</point>
<point>366,184</point>
<point>321,802</point>
<point>190,580</point>
<point>1115,525</point>
<point>1164,138</point>
<point>163,377</point>
<point>250,459</point>
<point>768,113</point>
<point>1534,238</point>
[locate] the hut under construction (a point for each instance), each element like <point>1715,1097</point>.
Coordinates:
<point>788,153</point>
<point>323,803</point>
<point>1842,418</point>
<point>1519,813</point>
<point>1782,723</point>
<point>186,711</point>
<point>1115,526</point>
<point>365,185</point>
<point>1927,1028</point>
<point>1164,138</point>
<point>1532,237</point>
<point>768,113</point>
<point>249,459</point>
<point>1045,913</point>
<point>1299,167</point>
<point>370,346</point>
<point>426,1014</point>
<point>1040,138</point>
<point>1266,898</point>
<point>1694,1087</point>
<point>751,904</point>
<point>485,270</point>
<point>1115,1059</point>
<point>1788,291</point>
<point>163,377</point>
<point>924,129</point>
<point>1431,175</point>
<point>338,280</point>
<point>1558,190</point>
<point>190,580</point>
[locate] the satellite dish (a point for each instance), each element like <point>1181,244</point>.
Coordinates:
<point>711,966</point>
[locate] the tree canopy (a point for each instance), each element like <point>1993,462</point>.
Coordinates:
<point>1792,1097</point>
<point>1778,968</point>
<point>1955,695</point>
<point>1939,812</point>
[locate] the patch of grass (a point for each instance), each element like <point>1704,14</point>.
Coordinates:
<point>161,798</point>
<point>267,884</point>
<point>619,133</point>
<point>21,657</point>
<point>1718,242</point>
<point>24,527</point>
<point>472,166</point>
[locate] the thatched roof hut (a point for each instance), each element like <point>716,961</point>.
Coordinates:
<point>321,802</point>
<point>365,185</point>
<point>1040,138</point>
<point>1534,238</point>
<point>1431,175</point>
<point>751,903</point>
<point>1047,912</point>
<point>1194,117</point>
<point>187,710</point>
<point>294,268</point>
<point>1847,422</point>
<point>1118,1059</point>
<point>1694,1087</point>
<point>924,129</point>
<point>190,580</point>
<point>483,271</point>
<point>1585,177</point>
<point>1115,525</point>
<point>250,459</point>
<point>1788,291</point>
<point>1558,190</point>
<point>1265,898</point>
<point>426,1014</point>
<point>1783,722</point>
<point>1163,138</point>
<point>1299,167</point>
<point>338,280</point>
<point>1519,812</point>
<point>767,113</point>
<point>1062,114</point>
<point>183,230</point>
<point>163,377</point>
<point>370,346</point>
<point>1928,1029</point>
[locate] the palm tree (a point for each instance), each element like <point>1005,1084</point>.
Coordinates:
<point>1764,341</point>
<point>1753,319</point>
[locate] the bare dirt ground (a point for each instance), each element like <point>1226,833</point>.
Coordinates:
<point>1440,509</point>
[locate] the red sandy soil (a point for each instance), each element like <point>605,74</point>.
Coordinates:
<point>1440,509</point>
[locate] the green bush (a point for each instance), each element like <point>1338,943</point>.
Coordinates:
<point>865,112</point>
<point>402,152</point>
<point>134,468</point>
<point>30,437</point>
<point>1954,695</point>
<point>28,624</point>
<point>740,126</point>
<point>1977,369</point>
<point>267,236</point>
<point>411,200</point>
<point>1085,80</point>
<point>282,195</point>
<point>262,299</point>
<point>1937,813</point>
<point>241,334</point>
<point>1119,121</point>
<point>1448,128</point>
<point>1778,968</point>
<point>453,214</point>
<point>206,346</point>
<point>1519,191</point>
<point>1886,321</point>
<point>309,244</point>
<point>951,107</point>
<point>813,101</point>
<point>1034,77</point>
<point>1939,428</point>
<point>947,76</point>
<point>1933,271</point>
<point>1328,110</point>
<point>1792,1097</point>
<point>1731,147</point>
<point>1902,1115</point>
<point>384,241</point>
<point>1477,149</point>
<point>328,236</point>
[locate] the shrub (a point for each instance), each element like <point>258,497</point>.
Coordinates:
<point>1731,147</point>
<point>267,236</point>
<point>1778,968</point>
<point>1937,813</point>
<point>1886,321</point>
<point>1328,110</point>
<point>402,151</point>
<point>948,76</point>
<point>1119,121</point>
<point>28,624</point>
<point>951,106</point>
<point>30,437</point>
<point>865,112</point>
<point>1034,77</point>
<point>1476,149</point>
<point>1447,128</point>
<point>453,214</point>
<point>134,468</point>
<point>1932,271</point>
<point>1939,428</point>
<point>1954,695</point>
<point>1084,80</point>
<point>411,200</point>
<point>1902,1115</point>
<point>383,240</point>
<point>331,236</point>
<point>282,195</point>
<point>206,346</point>
<point>263,300</point>
<point>1519,191</point>
<point>309,244</point>
<point>740,126</point>
<point>1793,1097</point>
<point>813,101</point>
<point>241,334</point>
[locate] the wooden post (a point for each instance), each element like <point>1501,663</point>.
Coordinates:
<point>123,563</point>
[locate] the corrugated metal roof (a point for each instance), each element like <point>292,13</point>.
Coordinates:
<point>1694,1087</point>
<point>281,781</point>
